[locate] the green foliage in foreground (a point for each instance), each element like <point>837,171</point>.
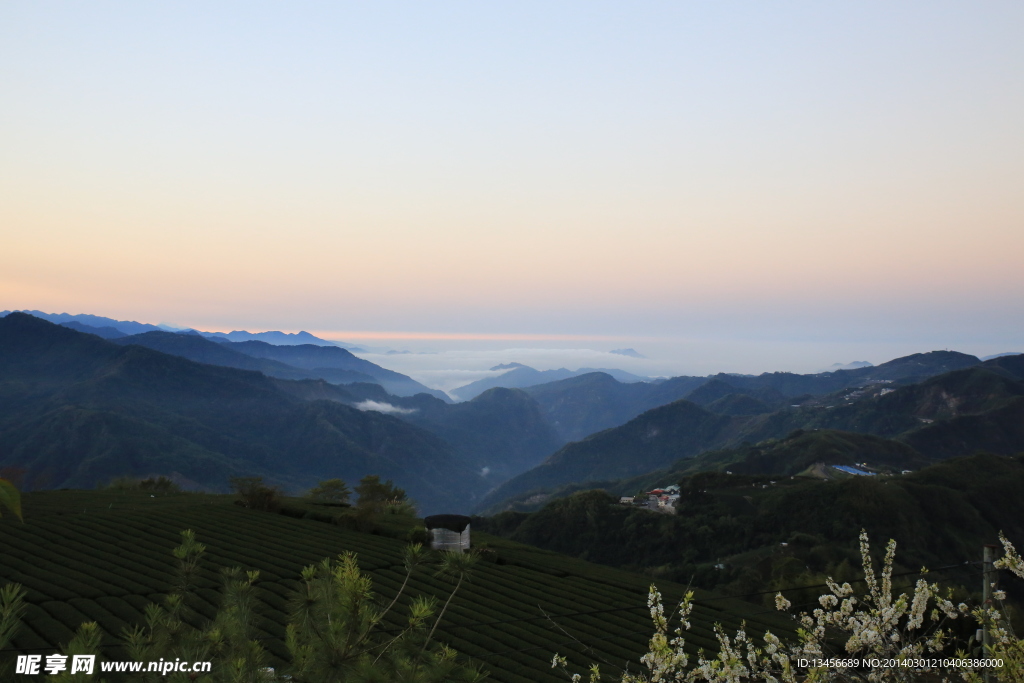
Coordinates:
<point>10,498</point>
<point>104,556</point>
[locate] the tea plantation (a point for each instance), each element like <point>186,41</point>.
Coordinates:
<point>103,556</point>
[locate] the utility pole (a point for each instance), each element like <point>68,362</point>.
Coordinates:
<point>988,576</point>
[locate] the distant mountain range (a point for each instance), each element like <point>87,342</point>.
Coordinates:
<point>954,412</point>
<point>77,410</point>
<point>286,356</point>
<point>1000,355</point>
<point>848,366</point>
<point>108,328</point>
<point>520,376</point>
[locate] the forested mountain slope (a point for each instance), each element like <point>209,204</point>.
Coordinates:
<point>953,414</point>
<point>748,533</point>
<point>76,410</point>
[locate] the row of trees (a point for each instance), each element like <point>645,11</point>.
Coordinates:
<point>371,492</point>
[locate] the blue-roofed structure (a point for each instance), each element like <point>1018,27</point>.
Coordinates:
<point>853,470</point>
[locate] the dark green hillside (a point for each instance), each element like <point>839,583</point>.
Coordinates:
<point>739,404</point>
<point>77,410</point>
<point>792,455</point>
<point>954,414</point>
<point>1011,366</point>
<point>580,406</point>
<point>908,369</point>
<point>940,515</point>
<point>715,390</point>
<point>654,440</point>
<point>802,450</point>
<point>501,430</point>
<point>971,391</point>
<point>104,556</point>
<point>997,431</point>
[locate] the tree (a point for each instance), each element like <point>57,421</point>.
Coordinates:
<point>333,491</point>
<point>254,494</point>
<point>372,491</point>
<point>335,633</point>
<point>230,637</point>
<point>1004,645</point>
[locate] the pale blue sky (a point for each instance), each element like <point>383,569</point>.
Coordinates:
<point>789,171</point>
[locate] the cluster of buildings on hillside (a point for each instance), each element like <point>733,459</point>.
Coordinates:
<point>657,500</point>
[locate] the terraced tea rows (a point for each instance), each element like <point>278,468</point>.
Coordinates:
<point>94,556</point>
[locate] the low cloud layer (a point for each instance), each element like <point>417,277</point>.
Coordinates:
<point>383,407</point>
<point>449,369</point>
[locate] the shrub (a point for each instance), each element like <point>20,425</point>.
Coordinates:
<point>419,535</point>
<point>331,492</point>
<point>372,491</point>
<point>159,484</point>
<point>255,495</point>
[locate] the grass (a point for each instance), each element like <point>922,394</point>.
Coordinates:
<point>102,556</point>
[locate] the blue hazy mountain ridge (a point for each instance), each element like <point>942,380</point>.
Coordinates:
<point>848,366</point>
<point>124,326</point>
<point>77,411</point>
<point>104,332</point>
<point>584,405</point>
<point>579,406</point>
<point>521,376</point>
<point>130,327</point>
<point>977,407</point>
<point>339,365</point>
<point>322,360</point>
<point>277,338</point>
<point>956,414</point>
<point>202,350</point>
<point>1000,355</point>
<point>587,403</point>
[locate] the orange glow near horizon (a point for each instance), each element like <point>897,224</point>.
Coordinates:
<point>675,167</point>
<point>463,336</point>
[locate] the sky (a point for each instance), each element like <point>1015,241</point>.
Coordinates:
<point>720,185</point>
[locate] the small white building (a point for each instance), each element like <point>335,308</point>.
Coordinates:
<point>448,532</point>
